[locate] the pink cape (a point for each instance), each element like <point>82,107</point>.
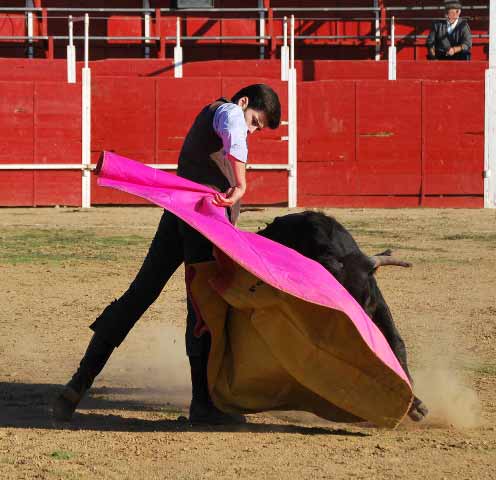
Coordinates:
<point>275,264</point>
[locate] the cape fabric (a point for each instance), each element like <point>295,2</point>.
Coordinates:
<point>285,333</point>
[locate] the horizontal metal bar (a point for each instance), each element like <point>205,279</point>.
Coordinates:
<point>43,166</point>
<point>326,9</point>
<point>398,19</point>
<point>239,37</point>
<point>179,10</point>
<point>265,37</point>
<point>160,166</point>
<point>465,7</point>
<point>474,35</point>
<point>20,9</point>
<point>268,166</point>
<point>330,37</point>
<point>316,19</point>
<point>73,9</point>
<point>22,37</point>
<point>65,37</point>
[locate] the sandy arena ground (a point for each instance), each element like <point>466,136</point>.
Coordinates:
<point>59,268</point>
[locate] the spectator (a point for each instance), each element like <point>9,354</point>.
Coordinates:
<point>450,39</point>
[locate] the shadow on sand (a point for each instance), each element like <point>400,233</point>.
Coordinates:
<point>24,405</point>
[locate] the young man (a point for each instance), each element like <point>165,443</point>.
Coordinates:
<point>214,153</point>
<point>450,39</point>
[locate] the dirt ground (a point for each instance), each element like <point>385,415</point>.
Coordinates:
<point>59,267</point>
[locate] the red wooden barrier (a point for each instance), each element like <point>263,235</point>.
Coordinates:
<point>453,133</point>
<point>308,70</point>
<point>361,143</point>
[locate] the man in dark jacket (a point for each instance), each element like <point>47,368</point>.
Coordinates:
<point>450,39</point>
<point>214,153</point>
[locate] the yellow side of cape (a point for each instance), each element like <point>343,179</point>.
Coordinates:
<point>272,351</point>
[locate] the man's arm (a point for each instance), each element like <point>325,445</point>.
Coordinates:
<point>230,125</point>
<point>465,41</point>
<point>234,194</point>
<point>431,41</point>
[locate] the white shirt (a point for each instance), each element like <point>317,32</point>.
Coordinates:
<point>230,125</point>
<point>451,26</point>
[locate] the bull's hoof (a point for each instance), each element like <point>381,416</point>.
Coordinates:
<point>64,406</point>
<point>201,414</point>
<point>418,411</point>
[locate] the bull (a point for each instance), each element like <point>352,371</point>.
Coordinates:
<point>323,239</point>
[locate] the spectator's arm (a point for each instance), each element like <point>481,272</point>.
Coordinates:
<point>431,38</point>
<point>466,38</point>
<point>431,41</point>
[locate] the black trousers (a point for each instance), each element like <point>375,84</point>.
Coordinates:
<point>175,242</point>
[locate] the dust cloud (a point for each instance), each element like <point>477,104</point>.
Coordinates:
<point>443,384</point>
<point>153,366</point>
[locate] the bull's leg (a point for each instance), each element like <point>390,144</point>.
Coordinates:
<point>384,321</point>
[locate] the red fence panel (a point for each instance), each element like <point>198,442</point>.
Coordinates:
<point>16,188</point>
<point>123,117</point>
<point>326,141</point>
<point>57,122</point>
<point>16,122</point>
<point>364,143</point>
<point>388,137</point>
<point>453,131</point>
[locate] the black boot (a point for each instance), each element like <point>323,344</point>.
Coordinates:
<point>95,358</point>
<point>202,410</point>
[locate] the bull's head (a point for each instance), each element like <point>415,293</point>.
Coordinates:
<point>357,276</point>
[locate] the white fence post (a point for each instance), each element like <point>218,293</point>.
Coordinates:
<point>86,120</point>
<point>285,52</point>
<point>71,54</point>
<point>147,25</point>
<point>261,28</point>
<point>178,52</point>
<point>377,31</point>
<point>392,54</point>
<point>490,116</point>
<point>292,129</point>
<point>30,29</point>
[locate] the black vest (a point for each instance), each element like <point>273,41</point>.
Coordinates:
<point>202,156</point>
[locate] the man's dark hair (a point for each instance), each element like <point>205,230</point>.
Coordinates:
<point>263,99</point>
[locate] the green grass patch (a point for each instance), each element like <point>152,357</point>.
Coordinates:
<point>254,224</point>
<point>61,245</point>
<point>478,237</point>
<point>61,455</point>
<point>384,246</point>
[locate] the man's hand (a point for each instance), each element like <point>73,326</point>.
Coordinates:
<point>228,199</point>
<point>433,52</point>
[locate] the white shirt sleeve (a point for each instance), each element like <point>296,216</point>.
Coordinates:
<point>230,125</point>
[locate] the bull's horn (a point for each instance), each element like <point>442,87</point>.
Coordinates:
<point>383,260</point>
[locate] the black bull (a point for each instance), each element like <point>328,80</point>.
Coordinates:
<point>326,241</point>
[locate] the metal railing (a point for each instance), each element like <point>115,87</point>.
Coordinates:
<point>377,36</point>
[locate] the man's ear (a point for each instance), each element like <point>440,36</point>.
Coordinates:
<point>243,103</point>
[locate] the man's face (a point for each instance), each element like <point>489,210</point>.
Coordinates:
<point>453,14</point>
<point>255,119</point>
